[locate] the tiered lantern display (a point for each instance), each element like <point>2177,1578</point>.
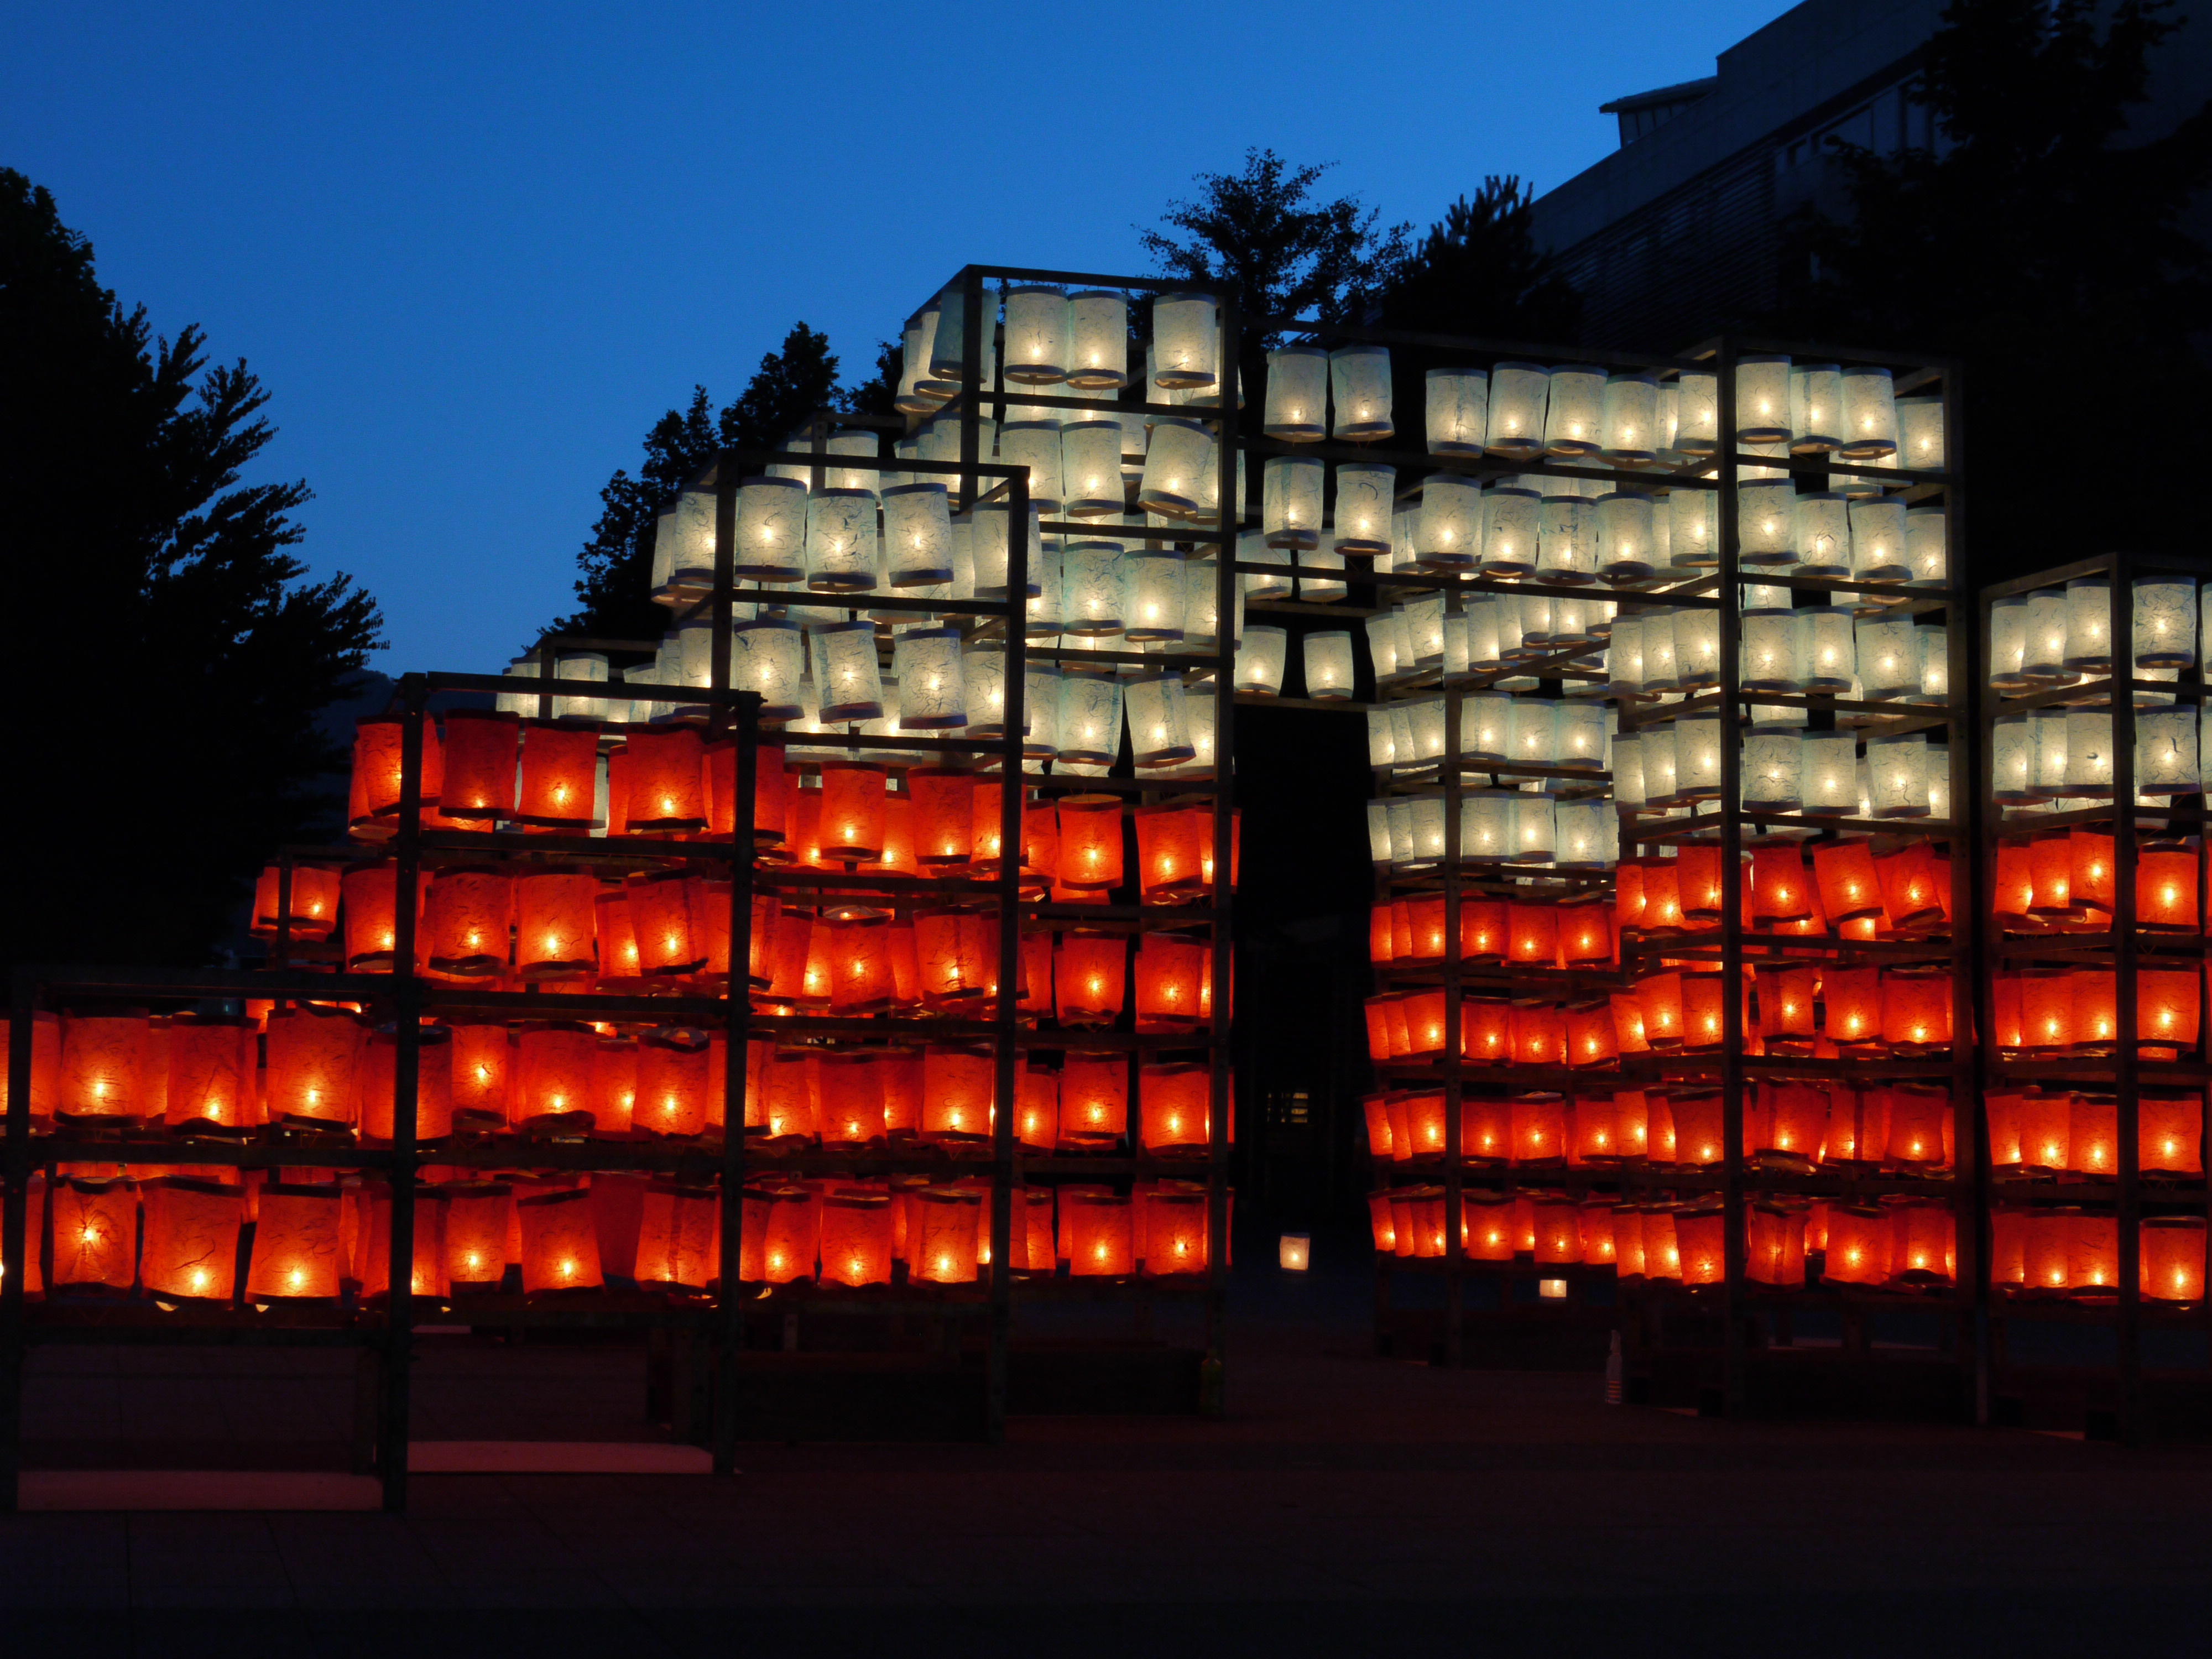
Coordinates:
<point>1672,984</point>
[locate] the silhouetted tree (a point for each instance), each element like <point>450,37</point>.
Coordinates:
<point>615,585</point>
<point>2041,246</point>
<point>1479,272</point>
<point>178,656</point>
<point>1263,237</point>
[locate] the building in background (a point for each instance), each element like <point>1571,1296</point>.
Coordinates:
<point>1677,235</point>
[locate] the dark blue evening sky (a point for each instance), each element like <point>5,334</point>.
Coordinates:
<point>473,251</point>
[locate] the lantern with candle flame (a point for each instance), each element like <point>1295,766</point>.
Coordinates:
<point>312,1054</point>
<point>95,1232</point>
<point>479,1217</point>
<point>560,1245</point>
<point>554,919</point>
<point>314,905</point>
<point>856,1236</point>
<point>673,1083</point>
<point>297,1251</point>
<point>1176,1112</point>
<point>555,1060</point>
<point>1094,1100</point>
<point>941,1243</point>
<point>957,1092</point>
<point>1091,977</point>
<point>1174,980</point>
<point>2173,1258</point>
<point>678,1237</point>
<point>191,1246</point>
<point>958,952</point>
<point>376,1081</point>
<point>466,914</point>
<point>559,775</point>
<point>1175,1225</point>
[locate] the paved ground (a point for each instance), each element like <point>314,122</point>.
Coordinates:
<point>1349,1505</point>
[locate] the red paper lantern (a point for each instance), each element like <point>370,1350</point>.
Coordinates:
<point>312,1055</point>
<point>1486,1030</point>
<point>2172,1258</point>
<point>1091,977</point>
<point>958,952</point>
<point>2051,867</point>
<point>942,1249</point>
<point>1538,1031</point>
<point>372,1257</point>
<point>1913,886</point>
<point>901,1072</point>
<point>190,1247</point>
<point>481,748</point>
<point>478,1217</point>
<point>109,1068</point>
<point>856,1236</point>
<point>1845,871</point>
<point>1424,915</point>
<point>1859,1238</point>
<point>1532,934</point>
<point>670,942</point>
<point>667,776</point>
<point>2096,1011</point>
<point>1853,1000</point>
<point>314,903</point>
<point>1704,1009</point>
<point>851,821</point>
<point>674,1083</point>
<point>297,1249</point>
<point>1589,1037</point>
<point>680,1242</point>
<point>786,1094</point>
<point>554,916</point>
<point>1416,1124</point>
<point>466,914</point>
<point>2006,1014</point>
<point>1774,1242</point>
<point>1090,842</point>
<point>1663,1254</point>
<point>377,1079</point>
<point>559,785</point>
<point>1172,974</point>
<point>2047,1009</point>
<point>1659,998</point>
<point>1174,1241</point>
<point>1101,1238</point>
<point>1539,1128</point>
<point>2014,887</point>
<point>1699,1237</point>
<point>480,1072</point>
<point>850,1092</point>
<point>1171,845</point>
<point>2165,889</point>
<point>2092,1256</point>
<point>1596,1220</point>
<point>1786,1005</point>
<point>2165,1011</point>
<point>2089,852</point>
<point>2044,1249</point>
<point>944,816</point>
<point>378,751</point>
<point>1697,1124</point>
<point>614,1086</point>
<point>1919,1126</point>
<point>212,1073</point>
<point>1915,1012</point>
<point>2171,1132</point>
<point>95,1232</point>
<point>1094,1100</point>
<point>372,906</point>
<point>553,1074</point>
<point>957,1085</point>
<point>1629,896</point>
<point>1698,879</point>
<point>1176,1098</point>
<point>1484,925</point>
<point>1036,1111</point>
<point>990,826</point>
<point>560,1244</point>
<point>1585,933</point>
<point>1779,890</point>
<point>791,1238</point>
<point>860,977</point>
<point>1628,1028</point>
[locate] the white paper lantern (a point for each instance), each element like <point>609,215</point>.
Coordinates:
<point>991,522</point>
<point>1532,737</point>
<point>948,347</point>
<point>1772,651</point>
<point>1574,422</point>
<point>1697,409</point>
<point>856,444</point>
<point>1360,393</point>
<point>983,670</point>
<point>1253,548</point>
<point>1661,776</point>
<point>1259,659</point>
<point>1290,500</point>
<point>913,397</point>
<point>1628,771</point>
<point>1485,616</point>
<point>2043,655</point>
<point>1869,404</point>
<point>841,540</point>
<point>1177,465</point>
<point>1829,773</point>
<point>1327,556</point>
<point>1378,831</point>
<point>1536,629</point>
<point>1579,738</point>
<point>1762,400</point>
<point>1185,341</point>
<point>1400,808</point>
<point>1888,658</point>
<point>1878,540</point>
<point>1158,734</point>
<point>1297,394</point>
<point>1425,721</point>
<point>1927,546</point>
<point>1382,647</point>
<point>1036,445</point>
<point>1425,629</point>
<point>1624,655</point>
<point>1631,420</point>
<point>2011,760</point>
<point>1821,534</point>
<point>1773,771</point>
<point>2088,625</point>
<point>1696,646</point>
<point>1694,538</point>
<point>1511,525</point>
<point>1364,499</point>
<point>1202,605</point>
<point>2166,752</point>
<point>1089,728</point>
<point>2090,751</point>
<point>1458,663</point>
<point>2008,637</point>
<point>1815,408</point>
<point>1518,396</point>
<point>772,516</point>
<point>1328,665</point>
<point>1766,523</point>
<point>1458,412</point>
<point>1448,535</point>
<point>1037,334</point>
<point>2047,735</point>
<point>1090,469</point>
<point>917,535</point>
<point>1566,542</point>
<point>769,658</point>
<point>1381,740</point>
<point>1920,434</point>
<point>845,674</point>
<point>1697,757</point>
<point>1897,773</point>
<point>1098,331</point>
<point>580,666</point>
<point>1660,670</point>
<point>1623,536</point>
<point>932,691</point>
<point>2165,625</point>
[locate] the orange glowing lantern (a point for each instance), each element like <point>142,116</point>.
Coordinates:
<point>1845,871</point>
<point>1590,1034</point>
<point>45,1065</point>
<point>1628,1242</point>
<point>378,746</point>
<point>621,970</point>
<point>1859,1238</point>
<point>2007,1246</point>
<point>1539,1128</point>
<point>852,822</point>
<point>1175,1233</point>
<point>1780,891</point>
<point>956,1090</point>
<point>1631,1121</point>
<point>314,902</point>
<point>674,1083</point>
<point>2172,1259</point>
<point>554,1063</point>
<point>1662,898</point>
<point>1424,918</point>
<point>856,1236</point>
<point>2090,854</point>
<point>1483,927</point>
<point>670,942</point>
<point>555,917</point>
<point>1538,1030</point>
<point>1381,1223</point>
<point>1663,1254</point>
<point>480,1055</point>
<point>1774,1245</point>
<point>1532,934</point>
<point>297,1251</point>
<point>313,1052</point>
<point>1700,1244</point>
<point>2171,1132</point>
<point>377,1079</point>
<point>941,1248</point>
<point>1705,1001</point>
<point>667,781</point>
<point>1698,879</point>
<point>1852,997</point>
<point>1176,1098</point>
<point>373,1255</point>
<point>1091,977</point>
<point>1919,1126</point>
<point>2096,1011</point>
<point>1915,1012</point>
<point>1090,842</point>
<point>481,748</point>
<point>1628,1028</point>
<point>2006,1015</point>
<point>1697,1127</point>
<point>2002,1112</point>
<point>1660,1139</point>
<point>1170,842</point>
<point>860,977</point>
<point>2044,1249</point>
<point>212,1066</point>
<point>1094,1100</point>
<point>2092,1256</point>
<point>1912,885</point>
<point>1416,1124</point>
<point>95,1232</point>
<point>1585,933</point>
<point>1786,1004</point>
<point>900,1073</point>
<point>1796,1125</point>
<point>1101,1242</point>
<point>559,776</point>
<point>1629,898</point>
<point>2165,1012</point>
<point>2015,880</point>
<point>958,952</point>
<point>1485,1227</point>
<point>560,1245</point>
<point>1923,1244</point>
<point>680,1242</point>
<point>989,829</point>
<point>2046,1129</point>
<point>372,902</point>
<point>1173,980</point>
<point>1598,1245</point>
<point>2051,869</point>
<point>106,1062</point>
<point>786,1094</point>
<point>1036,1109</point>
<point>1380,1136</point>
<point>2166,889</point>
<point>466,913</point>
<point>1486,1030</point>
<point>479,1215</point>
<point>944,815</point>
<point>1380,946</point>
<point>1033,968</point>
<point>190,1247</point>
<point>791,1238</point>
<point>1659,998</point>
<point>2046,1010</point>
<point>614,1086</point>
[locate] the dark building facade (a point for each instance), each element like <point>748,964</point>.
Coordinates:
<point>1677,235</point>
